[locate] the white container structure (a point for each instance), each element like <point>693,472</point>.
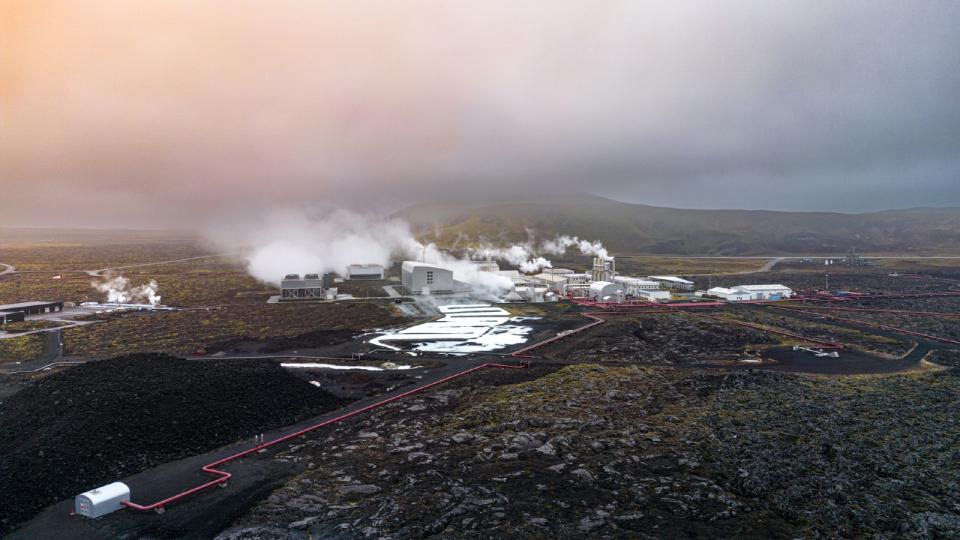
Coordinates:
<point>102,501</point>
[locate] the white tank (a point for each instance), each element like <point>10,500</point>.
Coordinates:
<point>101,501</point>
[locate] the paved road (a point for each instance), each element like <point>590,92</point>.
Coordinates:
<point>254,477</point>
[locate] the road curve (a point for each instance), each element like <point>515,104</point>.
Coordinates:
<point>7,269</point>
<point>100,272</point>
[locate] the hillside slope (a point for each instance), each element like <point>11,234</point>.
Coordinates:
<point>634,228</point>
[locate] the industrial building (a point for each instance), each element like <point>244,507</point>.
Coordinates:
<point>309,287</point>
<point>730,295</point>
<point>606,292</point>
<point>673,283</point>
<point>423,278</point>
<point>32,308</point>
<point>632,286</point>
<point>560,282</point>
<point>7,317</point>
<point>604,269</point>
<point>365,272</point>
<point>765,292</point>
<point>742,293</point>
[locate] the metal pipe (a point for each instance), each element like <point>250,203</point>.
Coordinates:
<point>822,343</point>
<point>877,325</point>
<point>225,476</point>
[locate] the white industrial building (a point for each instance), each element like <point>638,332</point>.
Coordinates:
<point>308,287</point>
<point>742,293</point>
<point>654,296</point>
<point>632,286</point>
<point>564,282</point>
<point>730,295</point>
<point>673,283</point>
<point>766,292</point>
<point>424,278</point>
<point>365,271</point>
<point>604,269</point>
<point>606,292</point>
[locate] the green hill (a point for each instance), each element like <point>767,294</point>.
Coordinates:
<point>635,228</point>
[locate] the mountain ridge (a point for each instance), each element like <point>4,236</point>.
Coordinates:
<point>630,228</point>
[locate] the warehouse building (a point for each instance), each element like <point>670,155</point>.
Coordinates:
<point>765,292</point>
<point>423,278</point>
<point>33,308</point>
<point>730,295</point>
<point>365,272</point>
<point>673,283</point>
<point>293,287</point>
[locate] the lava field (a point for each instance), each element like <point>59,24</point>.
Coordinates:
<point>102,421</point>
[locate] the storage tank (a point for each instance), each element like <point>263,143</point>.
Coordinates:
<point>101,501</point>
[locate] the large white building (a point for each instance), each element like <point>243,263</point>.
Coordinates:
<point>422,278</point>
<point>606,292</point>
<point>632,286</point>
<point>766,292</point>
<point>364,271</point>
<point>673,283</point>
<point>730,295</point>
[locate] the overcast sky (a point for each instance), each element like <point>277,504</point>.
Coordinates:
<point>155,113</point>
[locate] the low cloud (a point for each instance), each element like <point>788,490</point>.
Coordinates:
<point>166,113</point>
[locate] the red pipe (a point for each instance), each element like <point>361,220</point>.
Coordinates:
<point>877,310</point>
<point>822,343</point>
<point>225,476</point>
<point>876,325</point>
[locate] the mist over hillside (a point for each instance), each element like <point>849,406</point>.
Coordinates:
<point>627,228</point>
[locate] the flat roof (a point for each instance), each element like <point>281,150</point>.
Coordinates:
<point>21,305</point>
<point>674,279</point>
<point>761,287</point>
<point>418,264</point>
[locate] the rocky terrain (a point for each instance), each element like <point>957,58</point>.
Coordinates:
<point>670,338</point>
<point>105,420</point>
<point>642,452</point>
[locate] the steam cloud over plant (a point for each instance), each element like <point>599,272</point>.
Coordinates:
<point>296,241</point>
<point>119,291</point>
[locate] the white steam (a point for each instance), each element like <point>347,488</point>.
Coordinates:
<point>560,244</point>
<point>119,291</point>
<point>294,242</point>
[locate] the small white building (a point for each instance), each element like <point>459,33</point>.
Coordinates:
<point>765,292</point>
<point>606,292</point>
<point>673,283</point>
<point>730,295</point>
<point>101,501</point>
<point>365,271</point>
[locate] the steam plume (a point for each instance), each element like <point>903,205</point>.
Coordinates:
<point>118,291</point>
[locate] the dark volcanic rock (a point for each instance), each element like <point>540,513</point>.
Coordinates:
<point>95,423</point>
<point>603,452</point>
